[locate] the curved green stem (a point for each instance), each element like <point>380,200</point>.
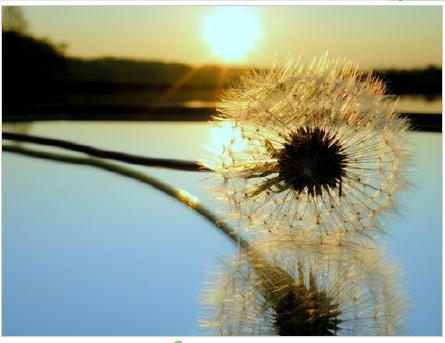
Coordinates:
<point>112,155</point>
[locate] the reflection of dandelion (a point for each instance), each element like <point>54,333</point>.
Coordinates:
<point>314,290</point>
<point>315,147</point>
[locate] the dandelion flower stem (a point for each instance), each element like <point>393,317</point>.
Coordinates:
<point>112,155</point>
<point>174,192</point>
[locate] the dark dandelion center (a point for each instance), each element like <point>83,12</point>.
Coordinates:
<point>312,160</point>
<point>307,312</point>
<point>303,309</point>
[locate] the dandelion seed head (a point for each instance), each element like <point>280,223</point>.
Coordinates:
<point>314,147</point>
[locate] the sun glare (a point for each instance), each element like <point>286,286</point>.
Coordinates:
<point>231,32</point>
<point>221,136</point>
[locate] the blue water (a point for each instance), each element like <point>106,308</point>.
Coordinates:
<point>86,252</point>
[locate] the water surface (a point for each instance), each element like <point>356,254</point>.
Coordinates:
<point>86,252</point>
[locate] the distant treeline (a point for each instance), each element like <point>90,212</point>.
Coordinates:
<point>38,75</point>
<point>121,73</point>
<point>426,81</point>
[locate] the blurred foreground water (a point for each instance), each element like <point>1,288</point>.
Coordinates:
<point>86,252</point>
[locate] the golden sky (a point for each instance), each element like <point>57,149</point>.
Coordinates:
<point>373,36</point>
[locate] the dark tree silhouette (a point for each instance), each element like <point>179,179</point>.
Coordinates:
<point>14,20</point>
<point>31,68</point>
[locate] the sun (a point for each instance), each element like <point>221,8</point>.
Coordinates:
<point>232,32</point>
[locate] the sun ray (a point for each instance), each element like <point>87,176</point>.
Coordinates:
<point>180,82</point>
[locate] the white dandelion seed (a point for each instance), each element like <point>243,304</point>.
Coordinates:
<point>313,290</point>
<point>314,147</point>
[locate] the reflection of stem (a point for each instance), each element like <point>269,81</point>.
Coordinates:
<point>174,192</point>
<point>112,155</point>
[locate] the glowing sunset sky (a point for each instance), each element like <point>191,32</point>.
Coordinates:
<point>373,36</point>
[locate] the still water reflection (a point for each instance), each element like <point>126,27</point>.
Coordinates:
<point>86,252</point>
